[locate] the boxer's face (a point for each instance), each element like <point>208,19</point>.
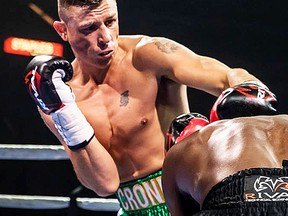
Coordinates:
<point>92,32</point>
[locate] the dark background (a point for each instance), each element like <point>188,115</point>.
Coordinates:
<point>241,33</point>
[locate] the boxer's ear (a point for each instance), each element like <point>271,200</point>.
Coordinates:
<point>61,29</point>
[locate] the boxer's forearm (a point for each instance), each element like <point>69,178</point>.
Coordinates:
<point>93,165</point>
<point>95,168</point>
<point>237,76</point>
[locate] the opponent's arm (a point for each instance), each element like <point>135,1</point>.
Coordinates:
<point>45,79</point>
<point>179,202</point>
<point>176,62</point>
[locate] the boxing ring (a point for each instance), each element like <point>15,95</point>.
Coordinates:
<point>46,153</point>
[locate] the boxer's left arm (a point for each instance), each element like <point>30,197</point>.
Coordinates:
<point>176,62</point>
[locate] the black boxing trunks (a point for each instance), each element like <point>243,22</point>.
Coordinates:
<point>142,197</point>
<point>257,191</point>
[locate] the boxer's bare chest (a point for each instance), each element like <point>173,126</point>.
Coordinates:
<point>119,108</point>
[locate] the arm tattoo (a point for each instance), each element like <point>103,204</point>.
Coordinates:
<point>166,46</point>
<point>124,98</point>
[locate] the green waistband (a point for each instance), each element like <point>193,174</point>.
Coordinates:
<point>143,179</point>
<point>143,196</point>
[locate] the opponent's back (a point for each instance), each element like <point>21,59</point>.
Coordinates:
<point>224,147</point>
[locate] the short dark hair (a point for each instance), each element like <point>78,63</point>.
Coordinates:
<point>67,3</point>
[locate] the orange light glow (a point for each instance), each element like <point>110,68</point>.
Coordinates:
<point>29,47</point>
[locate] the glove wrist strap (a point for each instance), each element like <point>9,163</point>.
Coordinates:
<point>73,126</point>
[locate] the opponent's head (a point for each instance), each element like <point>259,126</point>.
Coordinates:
<point>182,126</point>
<point>246,99</point>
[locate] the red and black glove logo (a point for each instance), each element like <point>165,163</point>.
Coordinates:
<point>36,86</point>
<point>39,81</point>
<point>246,99</point>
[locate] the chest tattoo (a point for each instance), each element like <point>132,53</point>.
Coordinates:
<point>124,98</point>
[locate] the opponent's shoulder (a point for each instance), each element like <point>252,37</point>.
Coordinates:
<point>280,118</point>
<point>275,122</point>
<point>248,125</point>
<point>264,120</point>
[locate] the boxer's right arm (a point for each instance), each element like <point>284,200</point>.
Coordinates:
<point>93,165</point>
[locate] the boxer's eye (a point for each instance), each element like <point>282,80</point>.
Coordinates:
<point>109,22</point>
<point>88,29</point>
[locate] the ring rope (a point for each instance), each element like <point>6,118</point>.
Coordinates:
<point>98,204</point>
<point>33,202</point>
<point>56,202</point>
<point>46,152</point>
<point>32,152</point>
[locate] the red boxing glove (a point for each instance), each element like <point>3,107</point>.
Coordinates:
<point>250,98</point>
<point>182,126</point>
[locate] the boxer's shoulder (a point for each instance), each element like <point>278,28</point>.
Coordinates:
<point>127,42</point>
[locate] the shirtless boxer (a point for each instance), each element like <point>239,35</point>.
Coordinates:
<point>229,167</point>
<point>127,90</point>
